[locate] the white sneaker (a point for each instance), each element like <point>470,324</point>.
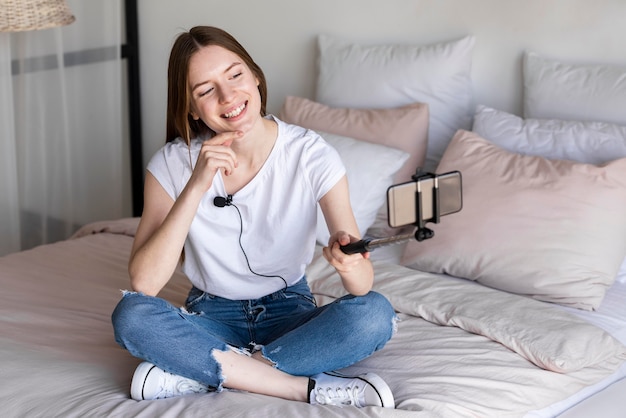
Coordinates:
<point>365,390</point>
<point>150,382</point>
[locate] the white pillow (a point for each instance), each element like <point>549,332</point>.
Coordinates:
<point>358,76</point>
<point>621,275</point>
<point>370,169</point>
<point>557,90</point>
<point>584,142</point>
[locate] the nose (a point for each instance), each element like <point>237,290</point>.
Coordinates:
<point>225,94</point>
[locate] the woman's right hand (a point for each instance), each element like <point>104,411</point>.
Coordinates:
<point>215,154</point>
<point>165,223</point>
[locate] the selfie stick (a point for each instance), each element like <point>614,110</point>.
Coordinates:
<point>420,234</point>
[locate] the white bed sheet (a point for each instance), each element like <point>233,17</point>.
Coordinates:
<point>611,317</point>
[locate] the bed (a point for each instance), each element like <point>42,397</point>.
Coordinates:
<point>515,308</point>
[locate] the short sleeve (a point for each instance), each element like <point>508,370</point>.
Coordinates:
<point>324,166</point>
<point>171,167</point>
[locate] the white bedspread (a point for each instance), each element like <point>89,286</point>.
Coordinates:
<point>58,357</point>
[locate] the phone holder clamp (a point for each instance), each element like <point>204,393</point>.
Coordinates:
<point>422,233</point>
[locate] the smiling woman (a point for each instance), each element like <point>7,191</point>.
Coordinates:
<point>250,321</point>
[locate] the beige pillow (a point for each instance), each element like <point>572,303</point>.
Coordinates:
<point>549,229</point>
<point>404,128</point>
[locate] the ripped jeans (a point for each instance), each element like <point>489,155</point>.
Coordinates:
<point>291,331</point>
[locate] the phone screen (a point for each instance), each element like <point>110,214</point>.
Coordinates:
<point>402,202</point>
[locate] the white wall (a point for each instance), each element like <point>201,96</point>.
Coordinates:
<point>280,35</point>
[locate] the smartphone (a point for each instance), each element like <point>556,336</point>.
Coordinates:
<point>425,199</point>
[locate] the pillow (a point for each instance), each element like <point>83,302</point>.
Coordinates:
<point>556,90</point>
<point>621,275</point>
<point>404,128</point>
<point>370,169</point>
<point>383,76</point>
<point>548,229</point>
<point>585,142</point>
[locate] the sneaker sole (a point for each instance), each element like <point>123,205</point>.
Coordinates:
<point>379,385</point>
<point>138,383</point>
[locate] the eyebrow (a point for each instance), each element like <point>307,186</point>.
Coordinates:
<point>234,64</point>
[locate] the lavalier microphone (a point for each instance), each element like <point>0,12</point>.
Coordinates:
<point>221,201</point>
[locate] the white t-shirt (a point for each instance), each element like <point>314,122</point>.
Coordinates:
<point>278,208</point>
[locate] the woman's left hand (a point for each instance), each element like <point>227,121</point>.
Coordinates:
<point>354,269</point>
<point>341,261</point>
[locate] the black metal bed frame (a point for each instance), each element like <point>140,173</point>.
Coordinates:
<point>130,52</point>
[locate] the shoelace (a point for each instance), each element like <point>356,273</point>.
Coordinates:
<point>189,386</point>
<point>339,396</point>
<point>181,387</point>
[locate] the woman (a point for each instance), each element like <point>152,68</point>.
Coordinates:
<point>235,191</point>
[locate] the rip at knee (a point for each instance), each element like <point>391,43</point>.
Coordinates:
<point>126,292</point>
<point>259,353</point>
<point>221,376</point>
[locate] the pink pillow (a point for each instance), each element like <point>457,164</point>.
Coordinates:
<point>404,128</point>
<point>549,229</point>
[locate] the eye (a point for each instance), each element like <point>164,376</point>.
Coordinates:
<point>205,92</point>
<point>236,75</point>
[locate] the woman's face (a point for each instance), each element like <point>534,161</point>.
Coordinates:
<point>224,91</point>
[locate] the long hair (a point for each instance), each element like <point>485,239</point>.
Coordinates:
<point>180,123</point>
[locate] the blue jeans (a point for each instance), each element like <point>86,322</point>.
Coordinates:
<point>291,331</point>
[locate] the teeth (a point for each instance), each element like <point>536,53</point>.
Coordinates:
<point>235,112</point>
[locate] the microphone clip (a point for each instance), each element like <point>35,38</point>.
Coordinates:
<point>221,201</point>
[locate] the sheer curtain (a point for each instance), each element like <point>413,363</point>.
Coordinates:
<point>62,127</point>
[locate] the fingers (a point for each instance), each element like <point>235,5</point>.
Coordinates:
<point>215,159</point>
<point>224,138</point>
<point>342,262</point>
<point>216,153</point>
<point>338,258</point>
<point>344,239</point>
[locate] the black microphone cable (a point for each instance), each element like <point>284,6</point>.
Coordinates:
<point>220,202</point>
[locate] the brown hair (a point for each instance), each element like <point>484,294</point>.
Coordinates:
<point>179,120</point>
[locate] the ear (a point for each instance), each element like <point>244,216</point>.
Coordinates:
<point>192,111</point>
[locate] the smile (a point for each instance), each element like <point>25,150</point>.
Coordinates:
<point>236,112</point>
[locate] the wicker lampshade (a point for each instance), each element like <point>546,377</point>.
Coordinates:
<point>23,15</point>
